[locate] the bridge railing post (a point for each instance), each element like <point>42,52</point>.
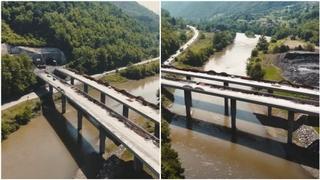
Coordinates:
<point>157,130</point>
<point>102,144</point>
<point>80,116</point>
<point>85,87</point>
<point>50,90</point>
<point>125,111</point>
<point>187,102</point>
<point>102,97</point>
<point>290,126</point>
<point>189,79</point>
<point>64,103</point>
<point>226,101</point>
<point>233,115</point>
<point>270,91</point>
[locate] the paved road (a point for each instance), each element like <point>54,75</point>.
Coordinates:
<point>183,47</point>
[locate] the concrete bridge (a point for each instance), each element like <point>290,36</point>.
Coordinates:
<point>111,124</point>
<point>206,83</point>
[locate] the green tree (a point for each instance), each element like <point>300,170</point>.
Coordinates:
<point>17,76</point>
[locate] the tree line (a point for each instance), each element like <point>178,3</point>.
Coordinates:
<point>95,36</point>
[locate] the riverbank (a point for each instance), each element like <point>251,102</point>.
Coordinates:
<point>203,48</point>
<point>133,72</point>
<point>19,115</point>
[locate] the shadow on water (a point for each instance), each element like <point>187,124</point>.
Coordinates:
<point>216,108</point>
<point>88,160</point>
<point>292,152</point>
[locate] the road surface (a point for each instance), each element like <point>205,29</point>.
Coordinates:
<point>183,47</point>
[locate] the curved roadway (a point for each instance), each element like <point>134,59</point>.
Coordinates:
<point>183,47</point>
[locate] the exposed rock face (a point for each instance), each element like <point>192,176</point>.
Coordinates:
<point>300,67</point>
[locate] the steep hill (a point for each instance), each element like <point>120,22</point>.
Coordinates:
<point>95,36</point>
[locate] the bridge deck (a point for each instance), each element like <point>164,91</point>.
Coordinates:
<point>241,81</point>
<point>144,149</point>
<point>264,100</point>
<point>133,104</point>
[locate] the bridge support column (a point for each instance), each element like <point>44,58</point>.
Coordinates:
<point>102,144</point>
<point>156,130</point>
<point>137,164</point>
<point>72,81</point>
<point>269,107</point>
<point>189,79</point>
<point>64,104</point>
<point>85,87</point>
<point>50,89</point>
<point>187,102</point>
<point>125,111</point>
<point>233,115</point>
<point>226,101</point>
<point>80,116</point>
<point>102,97</point>
<point>290,126</point>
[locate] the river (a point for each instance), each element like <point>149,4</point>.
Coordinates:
<point>48,146</point>
<point>207,149</point>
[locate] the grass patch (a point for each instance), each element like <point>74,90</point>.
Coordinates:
<point>272,73</point>
<point>114,78</point>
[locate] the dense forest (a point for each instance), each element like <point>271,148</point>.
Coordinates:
<point>17,76</point>
<point>171,36</point>
<point>277,19</point>
<point>95,36</point>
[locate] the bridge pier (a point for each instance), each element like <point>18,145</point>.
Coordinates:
<point>125,111</point>
<point>137,164</point>
<point>80,116</point>
<point>187,102</point>
<point>50,89</point>
<point>85,87</point>
<point>64,103</point>
<point>269,107</point>
<point>233,115</point>
<point>189,79</point>
<point>156,130</point>
<point>71,80</point>
<point>226,101</point>
<point>290,126</point>
<point>102,144</point>
<point>102,97</point>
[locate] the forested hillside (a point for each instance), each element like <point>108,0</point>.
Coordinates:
<point>142,14</point>
<point>278,19</point>
<point>171,37</point>
<point>95,36</point>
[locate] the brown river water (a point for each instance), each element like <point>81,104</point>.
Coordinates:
<point>48,146</point>
<point>207,149</point>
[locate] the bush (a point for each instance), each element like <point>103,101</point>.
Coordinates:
<point>309,47</point>
<point>254,52</point>
<point>256,71</point>
<point>24,117</point>
<point>280,49</point>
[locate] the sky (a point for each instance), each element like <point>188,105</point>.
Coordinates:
<point>151,5</point>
